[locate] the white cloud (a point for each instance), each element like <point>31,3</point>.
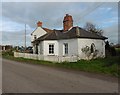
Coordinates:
<point>16,15</point>
<point>50,13</point>
<point>107,9</point>
<point>11,26</point>
<point>112,33</point>
<point>15,38</point>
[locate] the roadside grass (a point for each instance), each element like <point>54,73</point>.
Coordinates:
<point>117,51</point>
<point>109,65</point>
<point>105,66</point>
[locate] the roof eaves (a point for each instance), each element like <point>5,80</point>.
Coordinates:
<point>33,31</point>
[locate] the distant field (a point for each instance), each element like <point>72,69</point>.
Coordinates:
<point>109,65</point>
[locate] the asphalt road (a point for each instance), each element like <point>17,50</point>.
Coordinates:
<point>29,78</point>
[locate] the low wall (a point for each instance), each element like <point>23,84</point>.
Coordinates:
<point>47,58</point>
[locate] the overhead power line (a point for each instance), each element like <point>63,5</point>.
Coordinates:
<point>91,9</point>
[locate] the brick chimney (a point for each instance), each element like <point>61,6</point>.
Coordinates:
<point>39,24</point>
<point>67,22</point>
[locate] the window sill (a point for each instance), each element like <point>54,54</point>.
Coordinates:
<point>65,55</point>
<point>51,55</point>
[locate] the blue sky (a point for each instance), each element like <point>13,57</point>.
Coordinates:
<point>16,14</point>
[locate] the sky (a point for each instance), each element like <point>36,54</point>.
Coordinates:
<point>16,14</point>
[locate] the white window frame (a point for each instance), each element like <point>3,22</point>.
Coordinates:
<point>52,53</point>
<point>65,49</point>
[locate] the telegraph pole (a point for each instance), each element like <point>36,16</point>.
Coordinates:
<point>25,37</point>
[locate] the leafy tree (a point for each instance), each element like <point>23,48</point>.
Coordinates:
<point>92,28</point>
<point>110,49</point>
<point>107,45</point>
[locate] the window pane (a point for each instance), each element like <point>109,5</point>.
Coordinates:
<point>51,49</point>
<point>66,48</point>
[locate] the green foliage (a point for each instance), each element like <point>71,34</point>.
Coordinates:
<point>85,49</point>
<point>7,53</point>
<point>117,51</point>
<point>88,51</point>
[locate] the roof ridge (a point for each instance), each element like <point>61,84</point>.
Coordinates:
<point>55,32</point>
<point>47,29</point>
<point>49,33</point>
<point>77,31</point>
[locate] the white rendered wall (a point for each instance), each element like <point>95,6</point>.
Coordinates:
<point>72,47</point>
<point>40,48</point>
<point>99,44</point>
<point>46,47</point>
<point>38,32</point>
<point>58,47</point>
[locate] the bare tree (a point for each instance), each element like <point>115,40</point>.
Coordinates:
<point>92,28</point>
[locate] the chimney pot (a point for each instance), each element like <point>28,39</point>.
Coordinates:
<point>67,22</point>
<point>39,24</point>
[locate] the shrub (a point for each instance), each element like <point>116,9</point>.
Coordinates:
<point>7,53</point>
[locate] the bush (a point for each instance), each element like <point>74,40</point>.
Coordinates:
<point>117,51</point>
<point>113,51</point>
<point>7,53</point>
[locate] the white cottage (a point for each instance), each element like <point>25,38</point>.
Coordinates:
<point>71,41</point>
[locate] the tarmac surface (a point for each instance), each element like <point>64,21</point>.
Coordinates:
<point>20,77</point>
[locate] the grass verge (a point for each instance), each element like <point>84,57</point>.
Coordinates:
<point>109,65</point>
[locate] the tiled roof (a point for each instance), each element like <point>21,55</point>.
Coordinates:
<point>47,30</point>
<point>75,32</point>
